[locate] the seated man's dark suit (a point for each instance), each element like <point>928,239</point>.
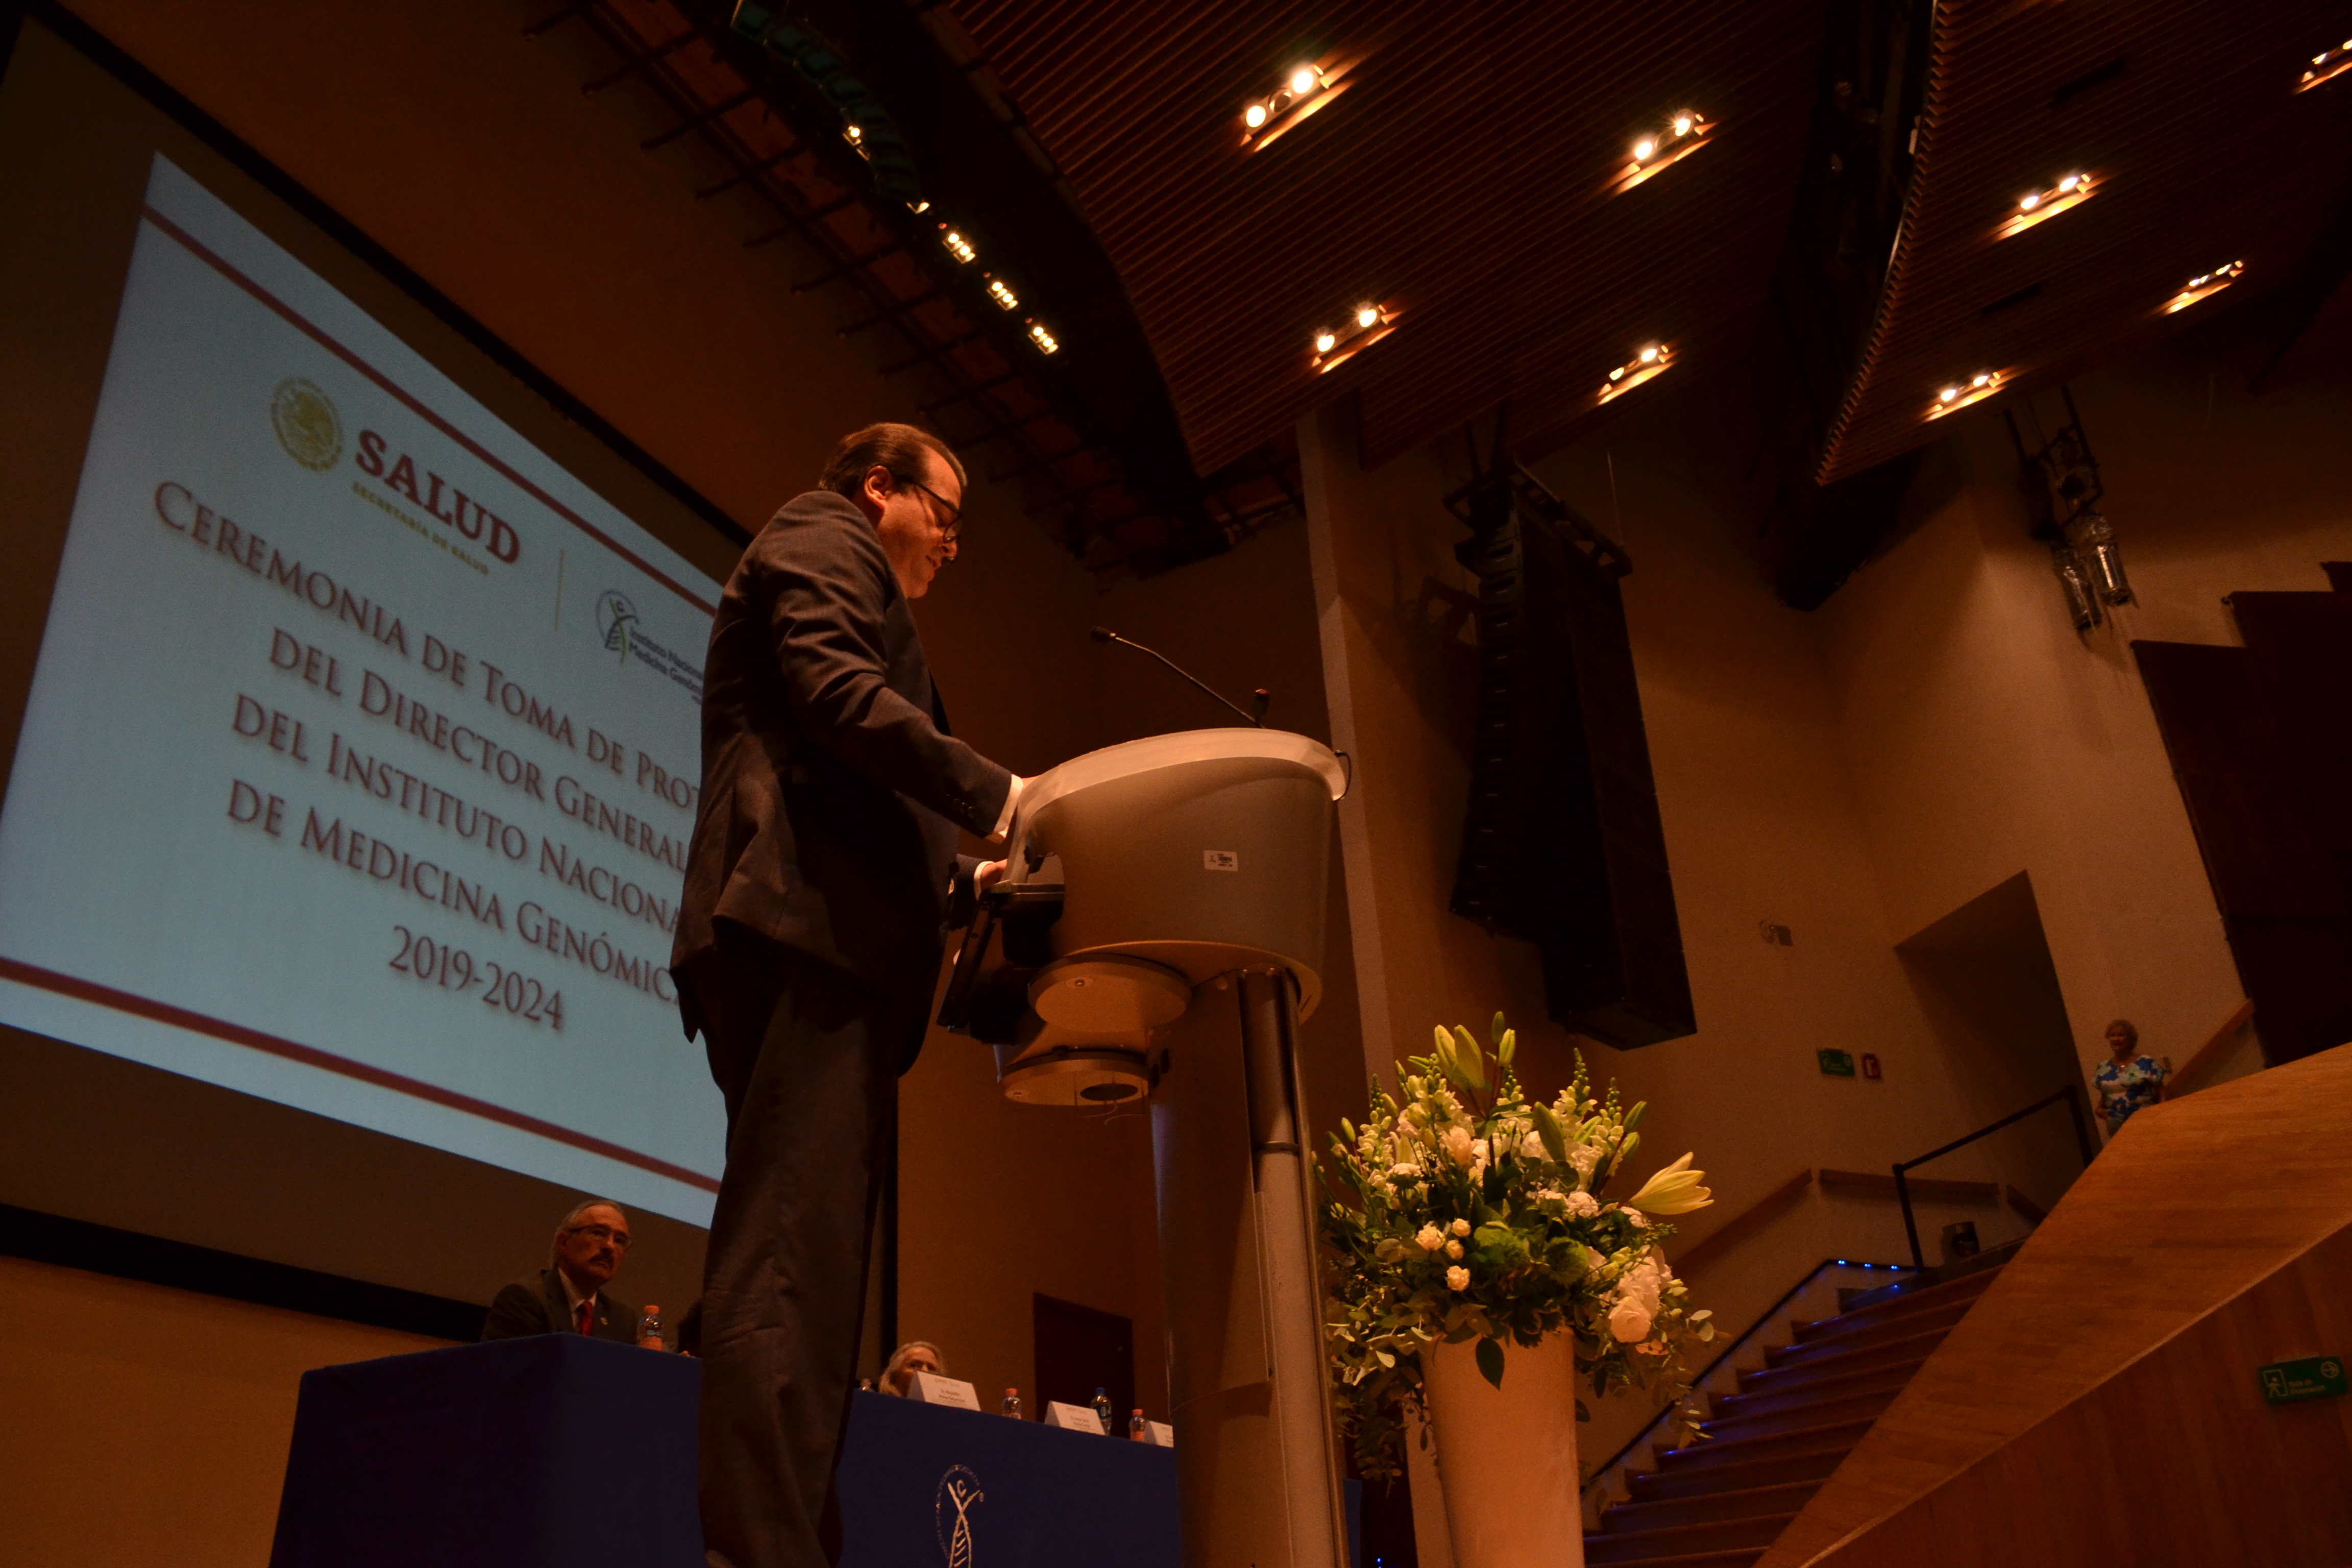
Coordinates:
<point>809,941</point>
<point>539,1306</point>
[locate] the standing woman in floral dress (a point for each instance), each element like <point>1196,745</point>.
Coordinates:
<point>2130,1081</point>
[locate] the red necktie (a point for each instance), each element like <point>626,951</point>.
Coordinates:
<point>584,1317</point>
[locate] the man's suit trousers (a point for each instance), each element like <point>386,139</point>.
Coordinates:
<point>808,1059</point>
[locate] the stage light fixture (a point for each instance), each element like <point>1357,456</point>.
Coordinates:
<point>1047,341</point>
<point>1652,360</point>
<point>1955,395</point>
<point>1004,296</point>
<point>2203,286</point>
<point>2327,66</point>
<point>1679,135</point>
<point>2039,205</point>
<point>957,245</point>
<point>1367,323</point>
<point>1304,90</point>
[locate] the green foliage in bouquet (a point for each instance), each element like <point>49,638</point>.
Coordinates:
<point>1478,1216</point>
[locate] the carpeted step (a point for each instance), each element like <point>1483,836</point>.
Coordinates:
<point>1622,1518</point>
<point>1657,1485</point>
<point>1967,1288</point>
<point>1685,1540</point>
<point>1869,1336</point>
<point>1804,1418</point>
<point>1724,1407</point>
<point>1709,1453</point>
<point>1825,1369</point>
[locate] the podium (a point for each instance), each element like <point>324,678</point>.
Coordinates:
<point>1159,934</point>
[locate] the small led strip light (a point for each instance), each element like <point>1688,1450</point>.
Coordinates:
<point>1650,363</point>
<point>1959,394</point>
<point>2203,286</point>
<point>1306,89</point>
<point>2327,66</point>
<point>954,242</point>
<point>1683,133</point>
<point>2039,206</point>
<point>1367,324</point>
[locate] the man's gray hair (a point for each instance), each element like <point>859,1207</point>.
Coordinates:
<point>555,1243</point>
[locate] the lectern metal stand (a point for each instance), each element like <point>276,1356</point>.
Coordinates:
<point>1174,894</point>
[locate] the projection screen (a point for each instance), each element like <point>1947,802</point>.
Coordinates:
<point>360,756</point>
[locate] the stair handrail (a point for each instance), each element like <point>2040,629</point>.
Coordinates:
<point>2207,1057</point>
<point>1731,1347</point>
<point>2077,1111</point>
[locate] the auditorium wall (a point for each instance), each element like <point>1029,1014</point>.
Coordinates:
<point>1856,774</point>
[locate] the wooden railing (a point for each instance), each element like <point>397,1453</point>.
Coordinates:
<point>2207,1057</point>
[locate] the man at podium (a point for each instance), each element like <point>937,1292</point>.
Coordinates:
<point>822,875</point>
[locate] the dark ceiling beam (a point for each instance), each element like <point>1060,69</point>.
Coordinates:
<point>2301,300</point>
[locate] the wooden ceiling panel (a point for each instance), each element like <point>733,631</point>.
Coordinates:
<point>2205,153</point>
<point>1461,176</point>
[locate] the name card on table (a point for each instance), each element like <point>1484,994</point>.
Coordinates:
<point>931,1388</point>
<point>1159,1435</point>
<point>1073,1418</point>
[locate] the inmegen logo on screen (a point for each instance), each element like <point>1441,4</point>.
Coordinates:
<point>620,632</point>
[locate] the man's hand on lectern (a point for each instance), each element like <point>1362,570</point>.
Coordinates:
<point>986,875</point>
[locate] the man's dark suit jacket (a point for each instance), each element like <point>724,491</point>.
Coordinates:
<point>539,1306</point>
<point>832,789</point>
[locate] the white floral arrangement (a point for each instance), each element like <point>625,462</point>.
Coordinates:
<point>1479,1216</point>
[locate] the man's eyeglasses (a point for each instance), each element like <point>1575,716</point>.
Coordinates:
<point>954,524</point>
<point>619,1238</point>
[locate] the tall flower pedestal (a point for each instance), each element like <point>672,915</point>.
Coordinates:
<point>1507,1457</point>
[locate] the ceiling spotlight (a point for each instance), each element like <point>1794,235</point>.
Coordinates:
<point>1652,359</point>
<point>1677,137</point>
<point>1047,341</point>
<point>1366,324</point>
<point>2327,66</point>
<point>957,245</point>
<point>1304,91</point>
<point>2035,207</point>
<point>1003,295</point>
<point>2203,286</point>
<point>1959,394</point>
<point>853,133</point>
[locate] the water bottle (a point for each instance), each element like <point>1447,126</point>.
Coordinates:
<point>649,1330</point>
<point>1102,1409</point>
<point>1011,1405</point>
<point>1138,1430</point>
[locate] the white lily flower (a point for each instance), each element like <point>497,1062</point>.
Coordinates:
<point>1671,1191</point>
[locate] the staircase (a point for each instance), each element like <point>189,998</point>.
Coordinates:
<point>1720,1501</point>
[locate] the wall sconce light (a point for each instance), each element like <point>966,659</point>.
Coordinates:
<point>1959,394</point>
<point>2040,207</point>
<point>1304,90</point>
<point>2203,286</point>
<point>1366,324</point>
<point>1650,363</point>
<point>2327,66</point>
<point>1678,136</point>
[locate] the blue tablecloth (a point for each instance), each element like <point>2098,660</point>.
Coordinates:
<point>569,1452</point>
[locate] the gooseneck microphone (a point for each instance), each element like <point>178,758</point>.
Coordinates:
<point>1258,699</point>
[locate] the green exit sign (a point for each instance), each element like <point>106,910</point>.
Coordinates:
<point>1837,1064</point>
<point>2313,1377</point>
